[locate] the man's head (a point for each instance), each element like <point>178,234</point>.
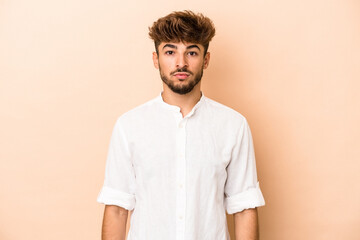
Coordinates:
<point>181,42</point>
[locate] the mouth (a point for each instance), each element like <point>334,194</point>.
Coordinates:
<point>181,75</point>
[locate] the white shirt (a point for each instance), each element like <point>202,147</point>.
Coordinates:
<point>179,174</point>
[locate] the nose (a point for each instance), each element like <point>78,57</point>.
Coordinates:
<point>181,61</point>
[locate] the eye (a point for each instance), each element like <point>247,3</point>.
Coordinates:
<point>169,52</point>
<point>193,53</point>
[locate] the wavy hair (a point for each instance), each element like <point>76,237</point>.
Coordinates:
<point>182,26</point>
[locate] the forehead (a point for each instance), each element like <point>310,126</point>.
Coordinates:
<point>181,45</point>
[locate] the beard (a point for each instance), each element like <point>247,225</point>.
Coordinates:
<point>181,88</point>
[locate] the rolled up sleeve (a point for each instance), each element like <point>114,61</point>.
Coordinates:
<point>119,184</point>
<point>242,190</point>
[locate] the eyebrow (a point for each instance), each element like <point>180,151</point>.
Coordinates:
<point>175,47</point>
<point>193,46</point>
<point>170,46</point>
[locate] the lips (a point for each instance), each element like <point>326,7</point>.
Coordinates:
<point>181,75</point>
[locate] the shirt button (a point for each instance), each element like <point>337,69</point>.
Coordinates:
<point>181,155</point>
<point>180,185</point>
<point>181,125</point>
<point>180,217</point>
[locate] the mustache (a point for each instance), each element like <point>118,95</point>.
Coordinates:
<point>181,70</point>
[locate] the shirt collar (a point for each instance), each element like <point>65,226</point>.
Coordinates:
<point>176,108</point>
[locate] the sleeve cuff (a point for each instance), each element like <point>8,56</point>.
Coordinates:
<point>250,198</point>
<point>110,196</point>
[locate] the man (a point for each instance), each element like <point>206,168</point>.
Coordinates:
<point>180,160</point>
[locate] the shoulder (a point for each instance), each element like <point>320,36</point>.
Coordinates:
<point>225,113</point>
<point>137,113</point>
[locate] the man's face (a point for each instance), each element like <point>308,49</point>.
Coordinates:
<point>181,65</point>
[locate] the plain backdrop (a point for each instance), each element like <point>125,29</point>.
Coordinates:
<point>69,68</point>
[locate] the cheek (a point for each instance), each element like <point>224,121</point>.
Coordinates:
<point>167,65</point>
<point>198,65</point>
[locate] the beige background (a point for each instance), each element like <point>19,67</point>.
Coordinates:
<point>69,68</point>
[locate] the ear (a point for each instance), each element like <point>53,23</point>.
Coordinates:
<point>155,60</point>
<point>206,60</point>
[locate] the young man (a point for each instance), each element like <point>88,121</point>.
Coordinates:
<point>181,159</point>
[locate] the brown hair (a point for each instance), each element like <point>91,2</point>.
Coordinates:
<point>184,26</point>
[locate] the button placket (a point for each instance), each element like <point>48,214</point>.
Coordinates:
<point>181,179</point>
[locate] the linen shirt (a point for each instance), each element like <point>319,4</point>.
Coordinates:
<point>179,174</point>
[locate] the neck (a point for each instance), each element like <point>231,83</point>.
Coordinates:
<point>184,101</point>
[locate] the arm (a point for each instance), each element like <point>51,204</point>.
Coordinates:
<point>114,223</point>
<point>246,225</point>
